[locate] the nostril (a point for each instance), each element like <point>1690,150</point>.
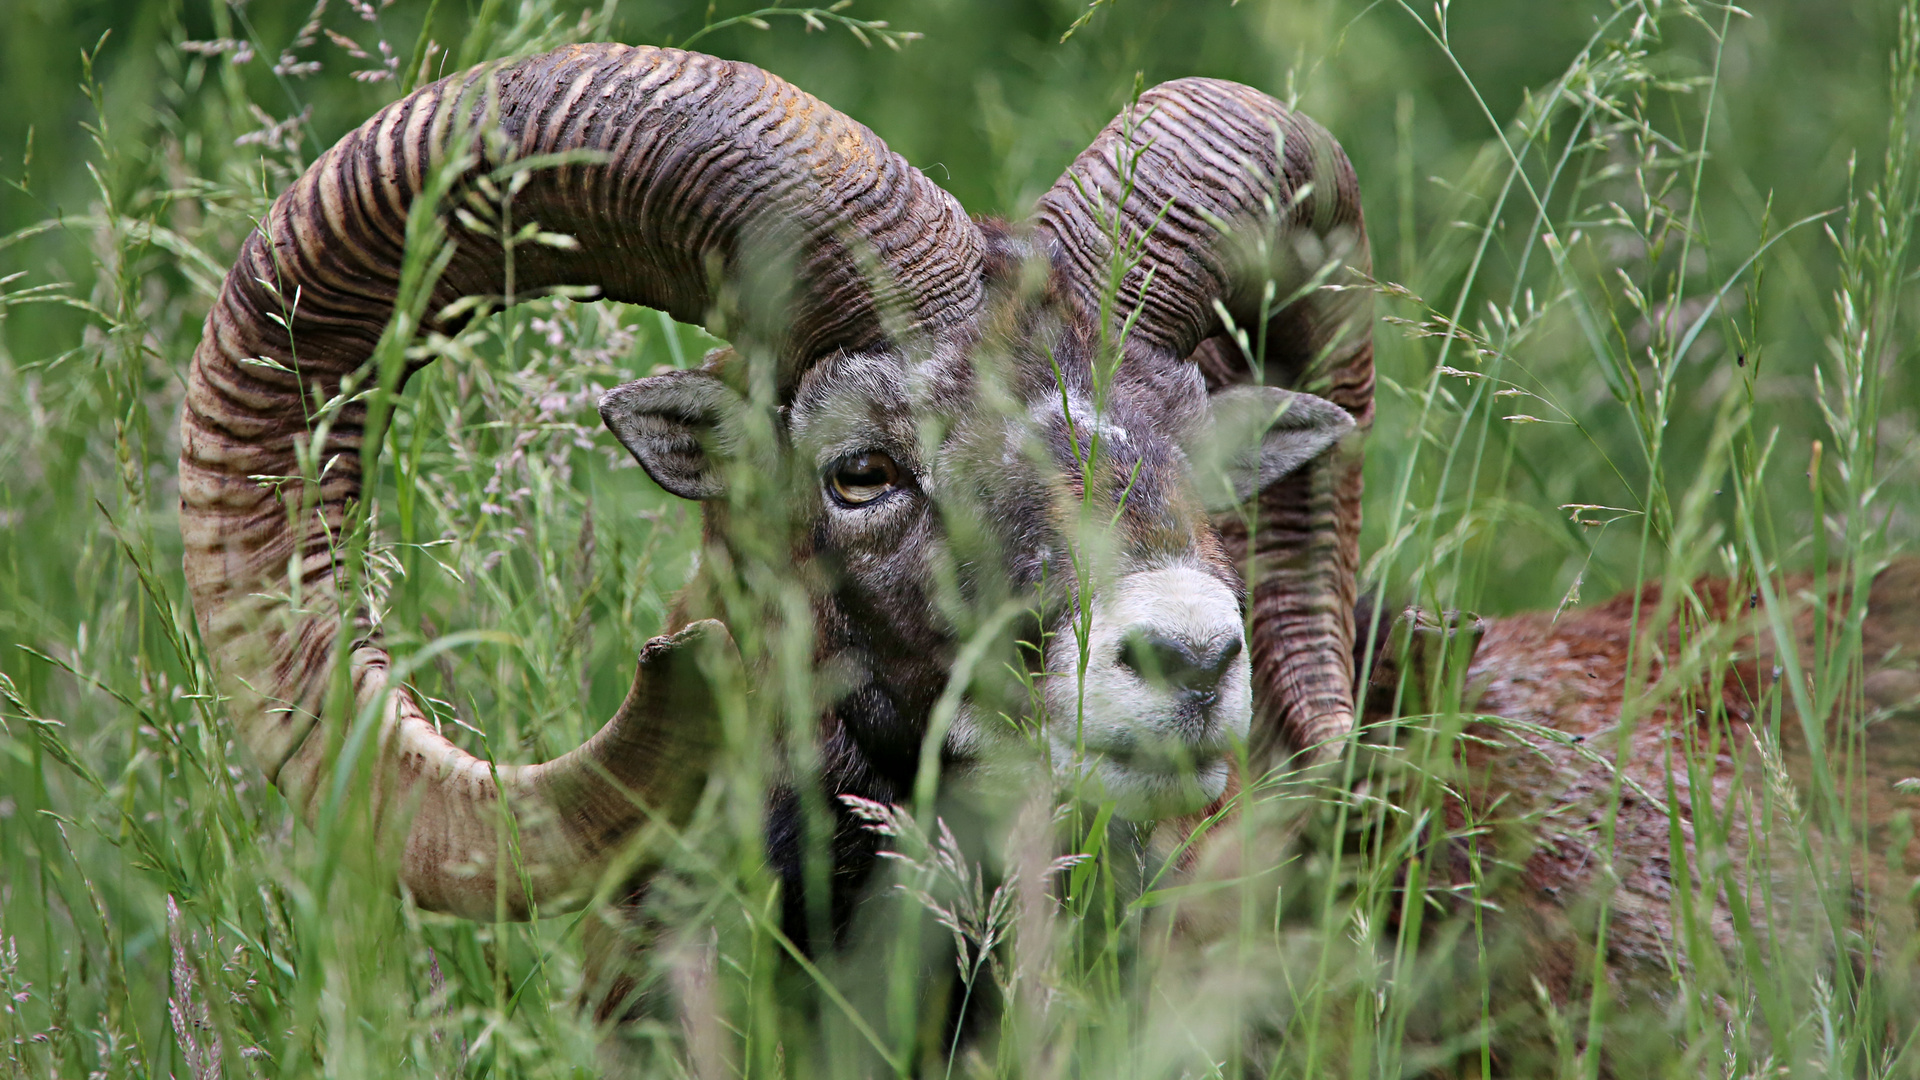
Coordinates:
<point>1223,658</point>
<point>1156,658</point>
<point>1165,661</point>
<point>1205,676</point>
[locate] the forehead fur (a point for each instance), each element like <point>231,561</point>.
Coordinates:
<point>1032,458</point>
<point>853,402</point>
<point>1115,467</point>
<point>1009,433</point>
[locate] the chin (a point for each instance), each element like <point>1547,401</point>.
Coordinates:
<point>1148,794</point>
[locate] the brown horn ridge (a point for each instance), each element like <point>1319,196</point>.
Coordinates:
<point>1228,191</point>
<point>693,164</point>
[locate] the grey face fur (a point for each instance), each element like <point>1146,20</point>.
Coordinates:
<point>1012,472</point>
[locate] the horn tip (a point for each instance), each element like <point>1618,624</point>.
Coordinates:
<point>702,637</point>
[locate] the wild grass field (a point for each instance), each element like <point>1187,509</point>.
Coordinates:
<point>1647,312</point>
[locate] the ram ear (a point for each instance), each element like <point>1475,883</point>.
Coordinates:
<point>679,427</point>
<point>1254,435</point>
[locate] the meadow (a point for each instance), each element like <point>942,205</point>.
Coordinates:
<point>1647,311</point>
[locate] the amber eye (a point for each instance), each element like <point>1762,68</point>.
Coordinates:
<point>862,478</point>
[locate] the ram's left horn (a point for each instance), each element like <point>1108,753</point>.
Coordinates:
<point>1240,204</point>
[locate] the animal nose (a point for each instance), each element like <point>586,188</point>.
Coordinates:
<point>1193,670</point>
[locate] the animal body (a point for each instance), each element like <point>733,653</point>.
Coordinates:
<point>953,416</point>
<point>1635,753</point>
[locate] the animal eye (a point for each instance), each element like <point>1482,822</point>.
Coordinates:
<point>862,478</point>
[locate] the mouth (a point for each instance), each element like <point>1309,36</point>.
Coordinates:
<point>1156,755</point>
<point>1146,779</point>
<point>1146,783</point>
<point>1171,760</point>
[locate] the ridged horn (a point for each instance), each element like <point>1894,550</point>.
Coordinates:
<point>1231,189</point>
<point>697,171</point>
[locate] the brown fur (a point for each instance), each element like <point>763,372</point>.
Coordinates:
<point>1693,764</point>
<point>1696,748</point>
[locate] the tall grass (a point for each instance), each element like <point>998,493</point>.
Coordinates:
<point>1648,277</point>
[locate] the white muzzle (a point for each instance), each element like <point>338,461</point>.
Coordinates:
<point>1164,697</point>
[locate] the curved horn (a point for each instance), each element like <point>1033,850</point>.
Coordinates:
<point>1229,191</point>
<point>696,169</point>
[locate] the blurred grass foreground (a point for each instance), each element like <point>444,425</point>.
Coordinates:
<point>1647,314</point>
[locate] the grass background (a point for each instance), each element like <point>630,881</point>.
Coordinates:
<point>1555,192</point>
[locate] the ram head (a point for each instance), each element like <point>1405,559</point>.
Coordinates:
<point>1129,420</point>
